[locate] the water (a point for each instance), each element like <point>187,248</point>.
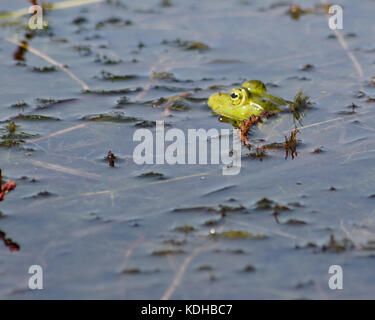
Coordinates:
<point>105,232</point>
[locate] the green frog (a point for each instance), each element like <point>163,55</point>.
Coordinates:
<point>251,99</point>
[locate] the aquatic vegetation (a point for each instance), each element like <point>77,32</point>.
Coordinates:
<point>83,50</point>
<point>12,137</point>
<point>291,145</point>
<point>267,204</point>
<point>188,45</point>
<point>307,67</point>
<point>113,92</point>
<point>49,103</point>
<point>175,242</point>
<point>111,158</point>
<point>44,69</point>
<point>195,209</point>
<point>353,107</point>
<point>205,267</point>
<point>152,174</point>
<point>131,270</point>
<point>114,22</point>
<point>249,268</point>
<point>167,252</point>
<point>280,207</point>
<point>299,106</point>
<point>7,187</point>
<point>176,103</point>
<point>105,60</point>
<point>10,143</point>
<point>295,222</point>
<point>221,210</point>
<point>185,228</point>
<point>224,209</point>
<point>21,104</point>
<point>122,101</point>
<point>295,11</point>
<point>117,3</point>
<point>80,20</point>
<point>135,271</point>
<point>11,128</point>
<point>259,154</point>
<point>34,117</point>
<point>245,126</point>
<point>166,3</point>
<point>238,234</point>
<point>264,204</point>
<point>318,150</point>
<point>109,117</point>
<point>332,245</point>
<point>163,75</point>
<point>19,54</point>
<point>8,242</point>
<point>174,89</point>
<point>146,124</point>
<point>337,246</point>
<point>42,194</point>
<point>105,75</point>
<point>211,223</point>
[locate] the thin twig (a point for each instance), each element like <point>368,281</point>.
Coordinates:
<point>50,60</point>
<point>327,121</point>
<point>78,126</point>
<point>62,169</point>
<point>181,271</point>
<point>345,46</point>
<point>127,188</point>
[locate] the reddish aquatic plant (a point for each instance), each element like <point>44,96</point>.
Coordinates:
<point>8,186</point>
<point>13,246</point>
<point>246,125</point>
<point>111,159</point>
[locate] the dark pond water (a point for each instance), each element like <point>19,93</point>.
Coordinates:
<point>145,231</point>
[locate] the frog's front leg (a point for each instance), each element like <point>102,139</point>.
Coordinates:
<point>246,126</point>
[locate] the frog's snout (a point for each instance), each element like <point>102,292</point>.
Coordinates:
<point>211,101</point>
<point>215,101</point>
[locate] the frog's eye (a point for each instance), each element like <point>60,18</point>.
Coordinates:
<point>238,96</point>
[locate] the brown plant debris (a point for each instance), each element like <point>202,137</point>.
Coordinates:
<point>111,158</point>
<point>291,144</point>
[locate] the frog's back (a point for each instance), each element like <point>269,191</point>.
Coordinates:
<point>255,86</point>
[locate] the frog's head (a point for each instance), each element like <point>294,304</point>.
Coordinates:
<point>223,103</point>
